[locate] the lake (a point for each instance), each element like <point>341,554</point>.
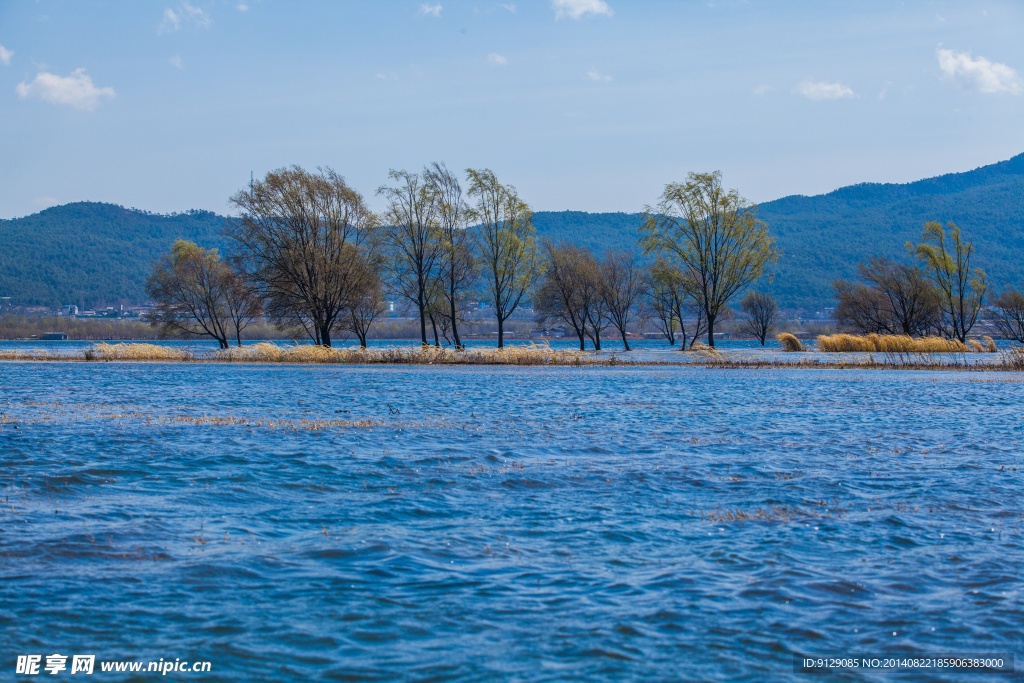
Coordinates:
<point>291,523</point>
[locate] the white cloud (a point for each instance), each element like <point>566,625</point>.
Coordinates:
<point>5,55</point>
<point>823,90</point>
<point>76,90</point>
<point>510,8</point>
<point>979,74</point>
<point>763,89</point>
<point>595,75</point>
<point>242,7</point>
<point>495,58</point>
<point>432,10</point>
<point>574,9</point>
<point>186,15</point>
<point>175,61</point>
<point>386,77</point>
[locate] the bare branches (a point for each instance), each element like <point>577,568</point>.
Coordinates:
<point>759,314</point>
<point>413,238</point>
<point>197,294</point>
<point>304,240</point>
<point>1007,314</point>
<point>457,269</point>
<point>620,284</point>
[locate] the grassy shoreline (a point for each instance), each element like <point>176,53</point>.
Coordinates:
<point>1010,360</point>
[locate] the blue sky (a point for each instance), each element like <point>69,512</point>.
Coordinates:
<point>581,104</point>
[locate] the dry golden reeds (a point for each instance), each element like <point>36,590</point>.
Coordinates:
<point>790,342</point>
<point>990,344</point>
<point>534,354</point>
<point>137,352</point>
<point>889,343</point>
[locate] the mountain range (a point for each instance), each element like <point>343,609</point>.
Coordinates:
<point>93,253</point>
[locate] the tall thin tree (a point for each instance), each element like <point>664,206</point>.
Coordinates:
<point>508,243</point>
<point>413,239</point>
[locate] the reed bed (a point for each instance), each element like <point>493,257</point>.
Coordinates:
<point>137,352</point>
<point>1013,358</point>
<point>790,342</point>
<point>308,354</point>
<point>893,343</point>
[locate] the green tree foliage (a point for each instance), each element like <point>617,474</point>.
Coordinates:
<point>197,294</point>
<point>508,243</point>
<point>714,236</point>
<point>961,288</point>
<point>91,254</point>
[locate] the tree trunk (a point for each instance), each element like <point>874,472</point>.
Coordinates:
<point>325,336</point>
<point>423,318</point>
<point>583,340</point>
<point>455,324</point>
<point>238,337</point>
<point>433,325</point>
<point>501,332</point>
<point>711,332</point>
<point>625,343</point>
<point>597,339</point>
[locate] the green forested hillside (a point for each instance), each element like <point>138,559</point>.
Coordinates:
<point>91,253</point>
<point>824,237</point>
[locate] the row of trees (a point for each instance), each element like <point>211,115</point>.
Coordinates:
<point>941,294</point>
<point>309,255</point>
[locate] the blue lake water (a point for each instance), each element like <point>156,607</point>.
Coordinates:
<point>292,523</point>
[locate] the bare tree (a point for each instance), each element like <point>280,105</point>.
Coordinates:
<point>659,305</point>
<point>677,293</point>
<point>760,313</point>
<point>1007,314</point>
<point>861,308</point>
<point>508,243</point>
<point>303,240</point>
<point>197,294</point>
<point>413,238</point>
<point>457,263</point>
<point>621,283</point>
<point>560,295</point>
<point>912,303</point>
<point>366,306</point>
<point>716,237</point>
<point>961,288</point>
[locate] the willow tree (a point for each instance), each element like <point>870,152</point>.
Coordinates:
<point>621,282</point>
<point>670,300</point>
<point>714,235</point>
<point>508,243</point>
<point>309,243</point>
<point>565,292</point>
<point>456,263</point>
<point>413,240</point>
<point>198,294</point>
<point>961,289</point>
